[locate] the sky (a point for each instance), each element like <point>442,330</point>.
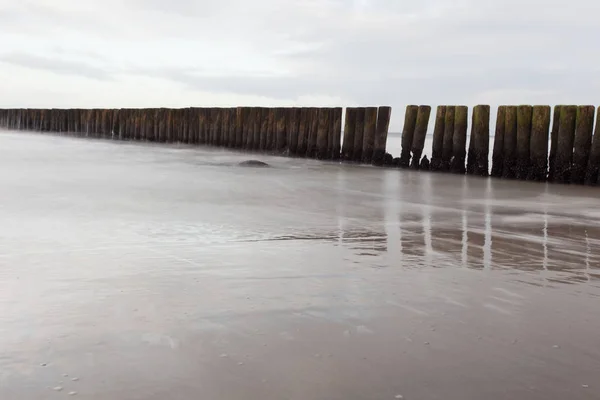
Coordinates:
<point>182,53</point>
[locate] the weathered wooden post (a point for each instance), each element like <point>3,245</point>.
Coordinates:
<point>437,149</point>
<point>459,140</point>
<point>384,114</point>
<point>303,129</point>
<point>218,126</point>
<point>359,132</point>
<point>582,143</point>
<point>232,127</point>
<point>480,141</point>
<point>337,133</point>
<point>271,128</point>
<point>510,143</point>
<point>369,132</point>
<point>408,131</point>
<point>418,142</point>
<point>566,138</point>
<point>260,126</point>
<point>293,126</point>
<point>524,114</point>
<point>322,132</point>
<point>313,116</point>
<point>554,142</point>
<point>256,128</point>
<point>448,144</point>
<point>280,130</point>
<point>498,152</point>
<point>593,168</point>
<point>239,127</point>
<point>349,129</point>
<point>540,125</point>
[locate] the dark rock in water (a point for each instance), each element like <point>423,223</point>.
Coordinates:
<point>424,163</point>
<point>253,163</point>
<point>388,159</point>
<point>396,162</point>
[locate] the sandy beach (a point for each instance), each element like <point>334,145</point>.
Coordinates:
<point>137,271</point>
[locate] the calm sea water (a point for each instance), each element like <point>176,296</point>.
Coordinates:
<point>132,271</point>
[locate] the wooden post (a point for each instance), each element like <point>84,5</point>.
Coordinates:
<point>566,138</point>
<point>263,128</point>
<point>192,125</point>
<point>524,115</point>
<point>498,154</point>
<point>232,127</point>
<point>540,125</point>
<point>322,132</point>
<point>257,123</point>
<point>448,138</point>
<point>223,127</point>
<point>480,141</point>
<point>554,142</point>
<point>280,130</point>
<point>216,126</point>
<point>418,142</point>
<point>384,114</point>
<point>239,127</point>
<point>349,129</point>
<point>437,149</point>
<point>293,127</point>
<point>249,127</point>
<point>369,133</point>
<point>510,143</point>
<point>313,119</point>
<point>337,133</point>
<point>593,167</point>
<point>271,128</point>
<point>459,140</point>
<point>359,131</point>
<point>303,129</point>
<point>408,132</point>
<point>582,143</point>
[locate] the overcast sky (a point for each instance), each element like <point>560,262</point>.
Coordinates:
<point>178,53</point>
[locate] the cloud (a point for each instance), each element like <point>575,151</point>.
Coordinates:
<point>56,65</point>
<point>357,52</point>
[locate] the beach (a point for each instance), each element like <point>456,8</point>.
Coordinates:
<point>140,271</point>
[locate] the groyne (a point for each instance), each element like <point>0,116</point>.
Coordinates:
<point>531,142</point>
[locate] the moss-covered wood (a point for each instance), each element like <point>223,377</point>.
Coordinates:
<point>448,138</point>
<point>418,142</point>
<point>437,149</point>
<point>582,143</point>
<point>408,132</point>
<point>349,129</point>
<point>554,142</point>
<point>498,151</point>
<point>510,143</point>
<point>459,140</point>
<point>369,134</point>
<point>565,143</point>
<point>384,114</point>
<point>538,149</point>
<point>524,114</point>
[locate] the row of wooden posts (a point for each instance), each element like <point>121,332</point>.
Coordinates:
<point>304,132</point>
<point>525,147</point>
<point>521,138</point>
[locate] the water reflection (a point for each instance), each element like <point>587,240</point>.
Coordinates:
<point>491,228</point>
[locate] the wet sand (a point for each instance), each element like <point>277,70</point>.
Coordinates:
<point>155,272</point>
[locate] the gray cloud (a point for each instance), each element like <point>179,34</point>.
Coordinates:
<point>361,51</point>
<point>64,67</point>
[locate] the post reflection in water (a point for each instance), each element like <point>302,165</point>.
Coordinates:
<point>408,221</point>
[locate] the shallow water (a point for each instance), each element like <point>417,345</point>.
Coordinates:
<point>154,272</point>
